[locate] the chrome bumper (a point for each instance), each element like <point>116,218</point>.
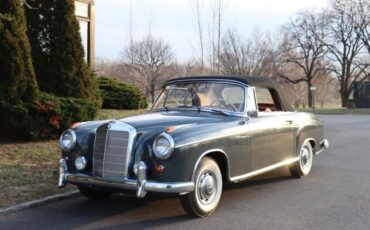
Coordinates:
<point>141,184</point>
<point>324,144</point>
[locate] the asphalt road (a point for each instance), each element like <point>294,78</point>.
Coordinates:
<point>336,195</point>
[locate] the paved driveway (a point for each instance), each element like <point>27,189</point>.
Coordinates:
<point>336,195</point>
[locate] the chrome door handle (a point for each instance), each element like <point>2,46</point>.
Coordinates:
<point>289,122</point>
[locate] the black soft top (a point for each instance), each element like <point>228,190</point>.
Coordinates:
<point>263,82</point>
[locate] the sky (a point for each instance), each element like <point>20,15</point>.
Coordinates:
<point>173,21</point>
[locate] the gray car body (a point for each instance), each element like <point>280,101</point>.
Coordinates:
<point>243,146</point>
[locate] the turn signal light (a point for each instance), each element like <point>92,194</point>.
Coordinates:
<point>75,124</point>
<point>159,169</point>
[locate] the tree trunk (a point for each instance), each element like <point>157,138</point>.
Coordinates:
<point>152,90</point>
<point>309,95</point>
<point>344,94</point>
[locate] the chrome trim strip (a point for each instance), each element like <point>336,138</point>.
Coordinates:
<point>263,170</point>
<point>229,81</point>
<point>210,139</point>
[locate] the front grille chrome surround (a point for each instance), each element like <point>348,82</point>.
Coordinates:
<point>113,149</point>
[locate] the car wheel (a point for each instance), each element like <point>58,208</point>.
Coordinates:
<point>93,194</point>
<point>303,166</point>
<point>205,198</point>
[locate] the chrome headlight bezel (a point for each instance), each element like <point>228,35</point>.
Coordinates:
<point>168,152</point>
<point>73,142</point>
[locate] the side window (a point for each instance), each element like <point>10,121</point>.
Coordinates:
<point>234,96</point>
<point>268,100</point>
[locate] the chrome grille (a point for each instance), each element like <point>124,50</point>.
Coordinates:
<point>111,152</point>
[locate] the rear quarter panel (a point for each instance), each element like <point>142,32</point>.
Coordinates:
<point>308,127</point>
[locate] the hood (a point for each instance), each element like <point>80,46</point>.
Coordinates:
<point>165,119</point>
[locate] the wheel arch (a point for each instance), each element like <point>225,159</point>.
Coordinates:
<point>306,133</point>
<point>221,159</point>
<point>302,140</point>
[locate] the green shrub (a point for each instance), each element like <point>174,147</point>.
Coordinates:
<point>117,95</point>
<point>17,76</point>
<point>57,51</point>
<point>46,118</point>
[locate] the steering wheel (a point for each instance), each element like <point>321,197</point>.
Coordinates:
<point>225,104</point>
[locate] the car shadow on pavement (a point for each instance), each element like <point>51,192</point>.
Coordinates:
<point>152,223</point>
<point>155,210</point>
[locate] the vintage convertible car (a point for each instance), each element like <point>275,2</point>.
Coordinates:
<point>201,133</point>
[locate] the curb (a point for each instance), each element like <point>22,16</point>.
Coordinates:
<point>39,202</point>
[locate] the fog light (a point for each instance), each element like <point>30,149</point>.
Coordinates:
<point>80,163</point>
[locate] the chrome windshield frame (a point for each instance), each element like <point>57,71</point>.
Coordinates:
<point>206,109</point>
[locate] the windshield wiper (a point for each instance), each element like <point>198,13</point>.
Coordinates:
<point>198,108</point>
<point>220,111</point>
<point>189,107</point>
<point>167,108</point>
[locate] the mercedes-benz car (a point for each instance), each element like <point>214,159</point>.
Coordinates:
<point>201,133</point>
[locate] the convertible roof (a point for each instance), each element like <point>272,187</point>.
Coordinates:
<point>263,82</point>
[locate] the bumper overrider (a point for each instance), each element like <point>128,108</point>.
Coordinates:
<point>324,144</point>
<point>141,184</point>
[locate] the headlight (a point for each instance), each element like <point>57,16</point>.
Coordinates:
<point>163,146</point>
<point>67,140</point>
<point>80,163</point>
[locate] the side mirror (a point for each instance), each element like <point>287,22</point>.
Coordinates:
<point>252,113</point>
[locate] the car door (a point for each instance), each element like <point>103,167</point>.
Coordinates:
<point>271,134</point>
<point>271,138</point>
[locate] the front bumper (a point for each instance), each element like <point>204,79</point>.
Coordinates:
<point>141,184</point>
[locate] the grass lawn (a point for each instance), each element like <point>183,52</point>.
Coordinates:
<point>30,170</point>
<point>338,111</point>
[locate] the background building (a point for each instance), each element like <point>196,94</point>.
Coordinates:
<point>85,13</point>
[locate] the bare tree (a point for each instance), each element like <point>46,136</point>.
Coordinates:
<point>196,8</point>
<point>345,47</point>
<point>362,21</point>
<point>247,57</point>
<point>151,56</point>
<point>304,48</point>
<point>215,30</point>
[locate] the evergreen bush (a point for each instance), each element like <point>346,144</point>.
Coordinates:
<point>117,95</point>
<point>45,118</point>
<point>17,76</point>
<point>57,51</point>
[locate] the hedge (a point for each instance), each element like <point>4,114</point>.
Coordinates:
<point>118,95</point>
<point>45,118</point>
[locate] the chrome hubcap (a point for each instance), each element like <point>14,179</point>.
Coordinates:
<point>207,187</point>
<point>305,159</point>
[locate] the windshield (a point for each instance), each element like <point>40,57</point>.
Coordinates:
<point>211,95</point>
